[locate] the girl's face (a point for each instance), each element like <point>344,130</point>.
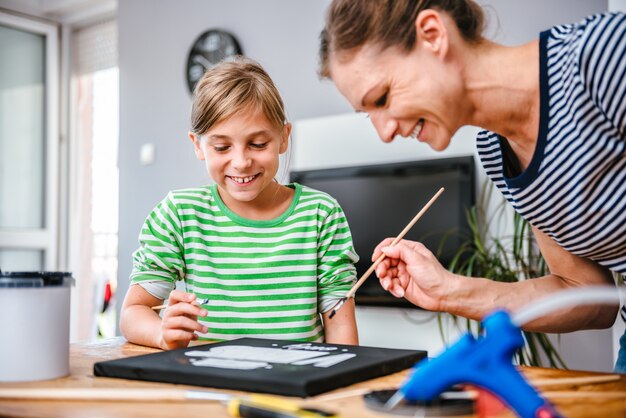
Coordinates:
<point>416,94</point>
<point>241,154</point>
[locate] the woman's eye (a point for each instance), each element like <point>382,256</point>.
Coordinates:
<point>382,101</point>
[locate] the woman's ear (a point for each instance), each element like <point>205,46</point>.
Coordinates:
<point>197,146</point>
<point>431,31</point>
<point>284,142</point>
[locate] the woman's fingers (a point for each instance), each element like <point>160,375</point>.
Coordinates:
<point>396,289</point>
<point>377,251</point>
<point>409,252</point>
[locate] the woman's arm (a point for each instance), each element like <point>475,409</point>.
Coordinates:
<point>570,271</point>
<point>142,325</point>
<point>342,328</point>
<point>411,271</point>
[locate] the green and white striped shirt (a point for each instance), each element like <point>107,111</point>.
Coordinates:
<point>268,278</point>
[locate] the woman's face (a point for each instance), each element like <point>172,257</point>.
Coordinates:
<point>416,94</point>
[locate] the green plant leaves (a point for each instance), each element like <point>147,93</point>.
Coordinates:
<point>487,252</point>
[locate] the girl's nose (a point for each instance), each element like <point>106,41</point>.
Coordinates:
<point>241,160</point>
<point>386,127</point>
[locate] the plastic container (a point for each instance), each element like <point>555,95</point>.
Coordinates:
<point>34,325</point>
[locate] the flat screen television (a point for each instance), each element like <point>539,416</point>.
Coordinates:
<point>379,200</point>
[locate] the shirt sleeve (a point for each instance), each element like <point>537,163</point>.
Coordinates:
<point>336,259</point>
<point>603,67</point>
<point>160,253</point>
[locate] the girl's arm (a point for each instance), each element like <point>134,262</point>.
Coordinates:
<point>142,325</point>
<point>342,328</point>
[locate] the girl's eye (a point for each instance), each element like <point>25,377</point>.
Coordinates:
<point>261,145</point>
<point>382,101</point>
<point>220,148</point>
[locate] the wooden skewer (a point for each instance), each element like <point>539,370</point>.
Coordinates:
<point>554,394</point>
<point>585,394</point>
<point>382,256</point>
<point>394,242</point>
<point>104,394</point>
<point>564,381</point>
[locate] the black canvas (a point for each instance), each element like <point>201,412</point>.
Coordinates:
<point>280,367</point>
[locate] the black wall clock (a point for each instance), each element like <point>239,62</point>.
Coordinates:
<point>210,48</point>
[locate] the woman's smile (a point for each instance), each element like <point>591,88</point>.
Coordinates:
<point>417,130</point>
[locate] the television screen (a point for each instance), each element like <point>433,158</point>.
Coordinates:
<point>380,200</point>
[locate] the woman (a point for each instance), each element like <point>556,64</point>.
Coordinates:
<point>554,114</point>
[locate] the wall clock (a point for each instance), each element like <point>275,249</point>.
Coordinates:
<point>210,48</point>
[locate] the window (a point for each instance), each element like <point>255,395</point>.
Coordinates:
<point>94,208</point>
<point>29,144</point>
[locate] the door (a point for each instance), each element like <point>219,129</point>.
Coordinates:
<point>29,144</point>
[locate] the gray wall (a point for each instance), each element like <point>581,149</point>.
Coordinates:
<point>154,39</point>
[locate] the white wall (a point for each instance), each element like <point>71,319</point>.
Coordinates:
<point>154,39</point>
<point>617,5</point>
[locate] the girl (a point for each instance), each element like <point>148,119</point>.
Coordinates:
<point>268,257</point>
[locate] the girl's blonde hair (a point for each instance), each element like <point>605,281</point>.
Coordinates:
<point>230,87</point>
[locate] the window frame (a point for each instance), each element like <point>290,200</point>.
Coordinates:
<point>45,239</point>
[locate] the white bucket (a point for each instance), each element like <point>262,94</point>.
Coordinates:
<point>34,325</point>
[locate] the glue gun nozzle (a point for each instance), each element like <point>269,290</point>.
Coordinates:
<point>394,401</point>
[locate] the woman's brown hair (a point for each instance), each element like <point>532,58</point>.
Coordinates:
<point>232,86</point>
<point>352,23</point>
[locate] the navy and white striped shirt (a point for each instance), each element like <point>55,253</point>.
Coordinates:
<point>574,188</point>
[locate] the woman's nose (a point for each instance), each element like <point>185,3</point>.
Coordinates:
<point>386,127</point>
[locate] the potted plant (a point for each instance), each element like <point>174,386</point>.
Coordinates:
<point>508,256</point>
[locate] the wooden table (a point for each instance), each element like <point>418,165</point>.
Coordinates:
<point>600,399</point>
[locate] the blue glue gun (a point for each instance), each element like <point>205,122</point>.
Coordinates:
<point>486,362</point>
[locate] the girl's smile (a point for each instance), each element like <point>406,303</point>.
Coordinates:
<point>243,181</point>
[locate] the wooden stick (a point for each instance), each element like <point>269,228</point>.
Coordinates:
<point>586,394</point>
<point>96,394</point>
<point>394,242</point>
<point>564,381</point>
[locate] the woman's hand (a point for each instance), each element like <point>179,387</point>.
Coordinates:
<point>180,321</point>
<point>411,271</point>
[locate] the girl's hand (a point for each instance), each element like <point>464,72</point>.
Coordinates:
<point>411,271</point>
<point>180,321</point>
